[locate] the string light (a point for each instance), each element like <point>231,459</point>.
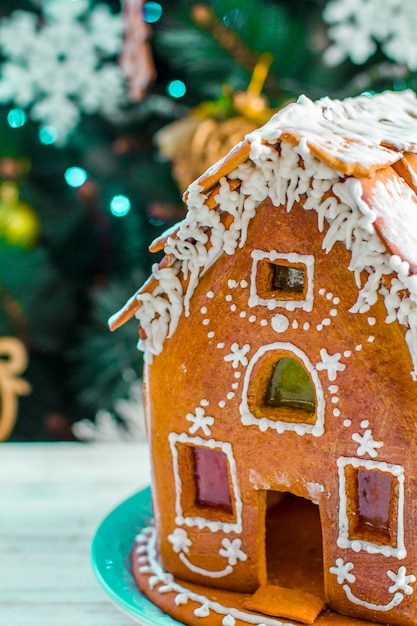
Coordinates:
<point>120,205</point>
<point>16,118</point>
<point>176,88</point>
<point>75,176</point>
<point>152,11</point>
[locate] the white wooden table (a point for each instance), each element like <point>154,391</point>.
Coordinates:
<point>52,499</point>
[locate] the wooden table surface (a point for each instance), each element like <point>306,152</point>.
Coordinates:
<point>52,499</point>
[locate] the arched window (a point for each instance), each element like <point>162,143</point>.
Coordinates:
<point>282,391</point>
<point>290,386</point>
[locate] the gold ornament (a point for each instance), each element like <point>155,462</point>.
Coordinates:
<point>213,128</point>
<point>13,361</point>
<point>19,223</point>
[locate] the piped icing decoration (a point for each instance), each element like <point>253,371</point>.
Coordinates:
<point>183,594</point>
<point>230,550</point>
<point>393,548</point>
<point>264,423</point>
<point>330,363</point>
<point>199,420</point>
<point>308,152</point>
<point>400,588</point>
<point>200,522</point>
<point>367,444</point>
<point>271,303</point>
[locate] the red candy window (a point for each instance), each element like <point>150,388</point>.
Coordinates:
<point>212,479</point>
<point>375,494</point>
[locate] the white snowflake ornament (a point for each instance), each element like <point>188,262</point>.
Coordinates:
<point>357,26</point>
<point>64,65</point>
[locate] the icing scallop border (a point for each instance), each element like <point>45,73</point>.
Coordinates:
<point>357,545</point>
<point>273,303</point>
<point>199,521</point>
<point>264,423</point>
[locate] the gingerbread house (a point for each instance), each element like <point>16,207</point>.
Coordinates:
<point>280,339</point>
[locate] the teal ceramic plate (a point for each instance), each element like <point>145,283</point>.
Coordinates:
<point>110,558</point>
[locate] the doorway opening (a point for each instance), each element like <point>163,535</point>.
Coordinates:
<point>293,543</point>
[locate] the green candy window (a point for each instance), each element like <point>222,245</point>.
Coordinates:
<point>290,386</point>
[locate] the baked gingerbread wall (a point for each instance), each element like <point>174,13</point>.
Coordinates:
<point>203,390</point>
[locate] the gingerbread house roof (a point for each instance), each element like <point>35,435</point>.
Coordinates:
<point>354,161</point>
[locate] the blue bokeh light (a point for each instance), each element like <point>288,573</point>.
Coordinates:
<point>176,88</point>
<point>75,176</point>
<point>120,205</point>
<point>16,118</point>
<point>152,11</point>
<point>48,135</point>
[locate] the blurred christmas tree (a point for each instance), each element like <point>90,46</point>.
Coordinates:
<point>92,166</point>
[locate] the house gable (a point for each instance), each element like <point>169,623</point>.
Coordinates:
<point>327,155</point>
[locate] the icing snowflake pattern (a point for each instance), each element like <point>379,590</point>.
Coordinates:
<point>401,581</point>
<point>179,540</point>
<point>343,571</point>
<point>232,552</point>
<point>200,420</point>
<point>356,27</point>
<point>330,363</point>
<point>367,444</point>
<point>65,68</point>
<point>237,355</point>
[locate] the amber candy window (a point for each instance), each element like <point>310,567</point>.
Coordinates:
<point>281,281</point>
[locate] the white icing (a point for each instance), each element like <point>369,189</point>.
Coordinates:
<point>237,356</point>
<point>201,522</point>
<point>351,130</point>
<point>199,420</point>
<point>343,540</point>
<point>263,423</point>
<point>271,303</point>
<point>280,323</point>
<point>330,363</point>
<point>185,595</point>
<point>343,571</point>
<point>232,551</point>
<point>367,444</point>
<point>205,572</point>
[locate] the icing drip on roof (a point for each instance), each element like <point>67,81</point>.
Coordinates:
<point>306,153</point>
